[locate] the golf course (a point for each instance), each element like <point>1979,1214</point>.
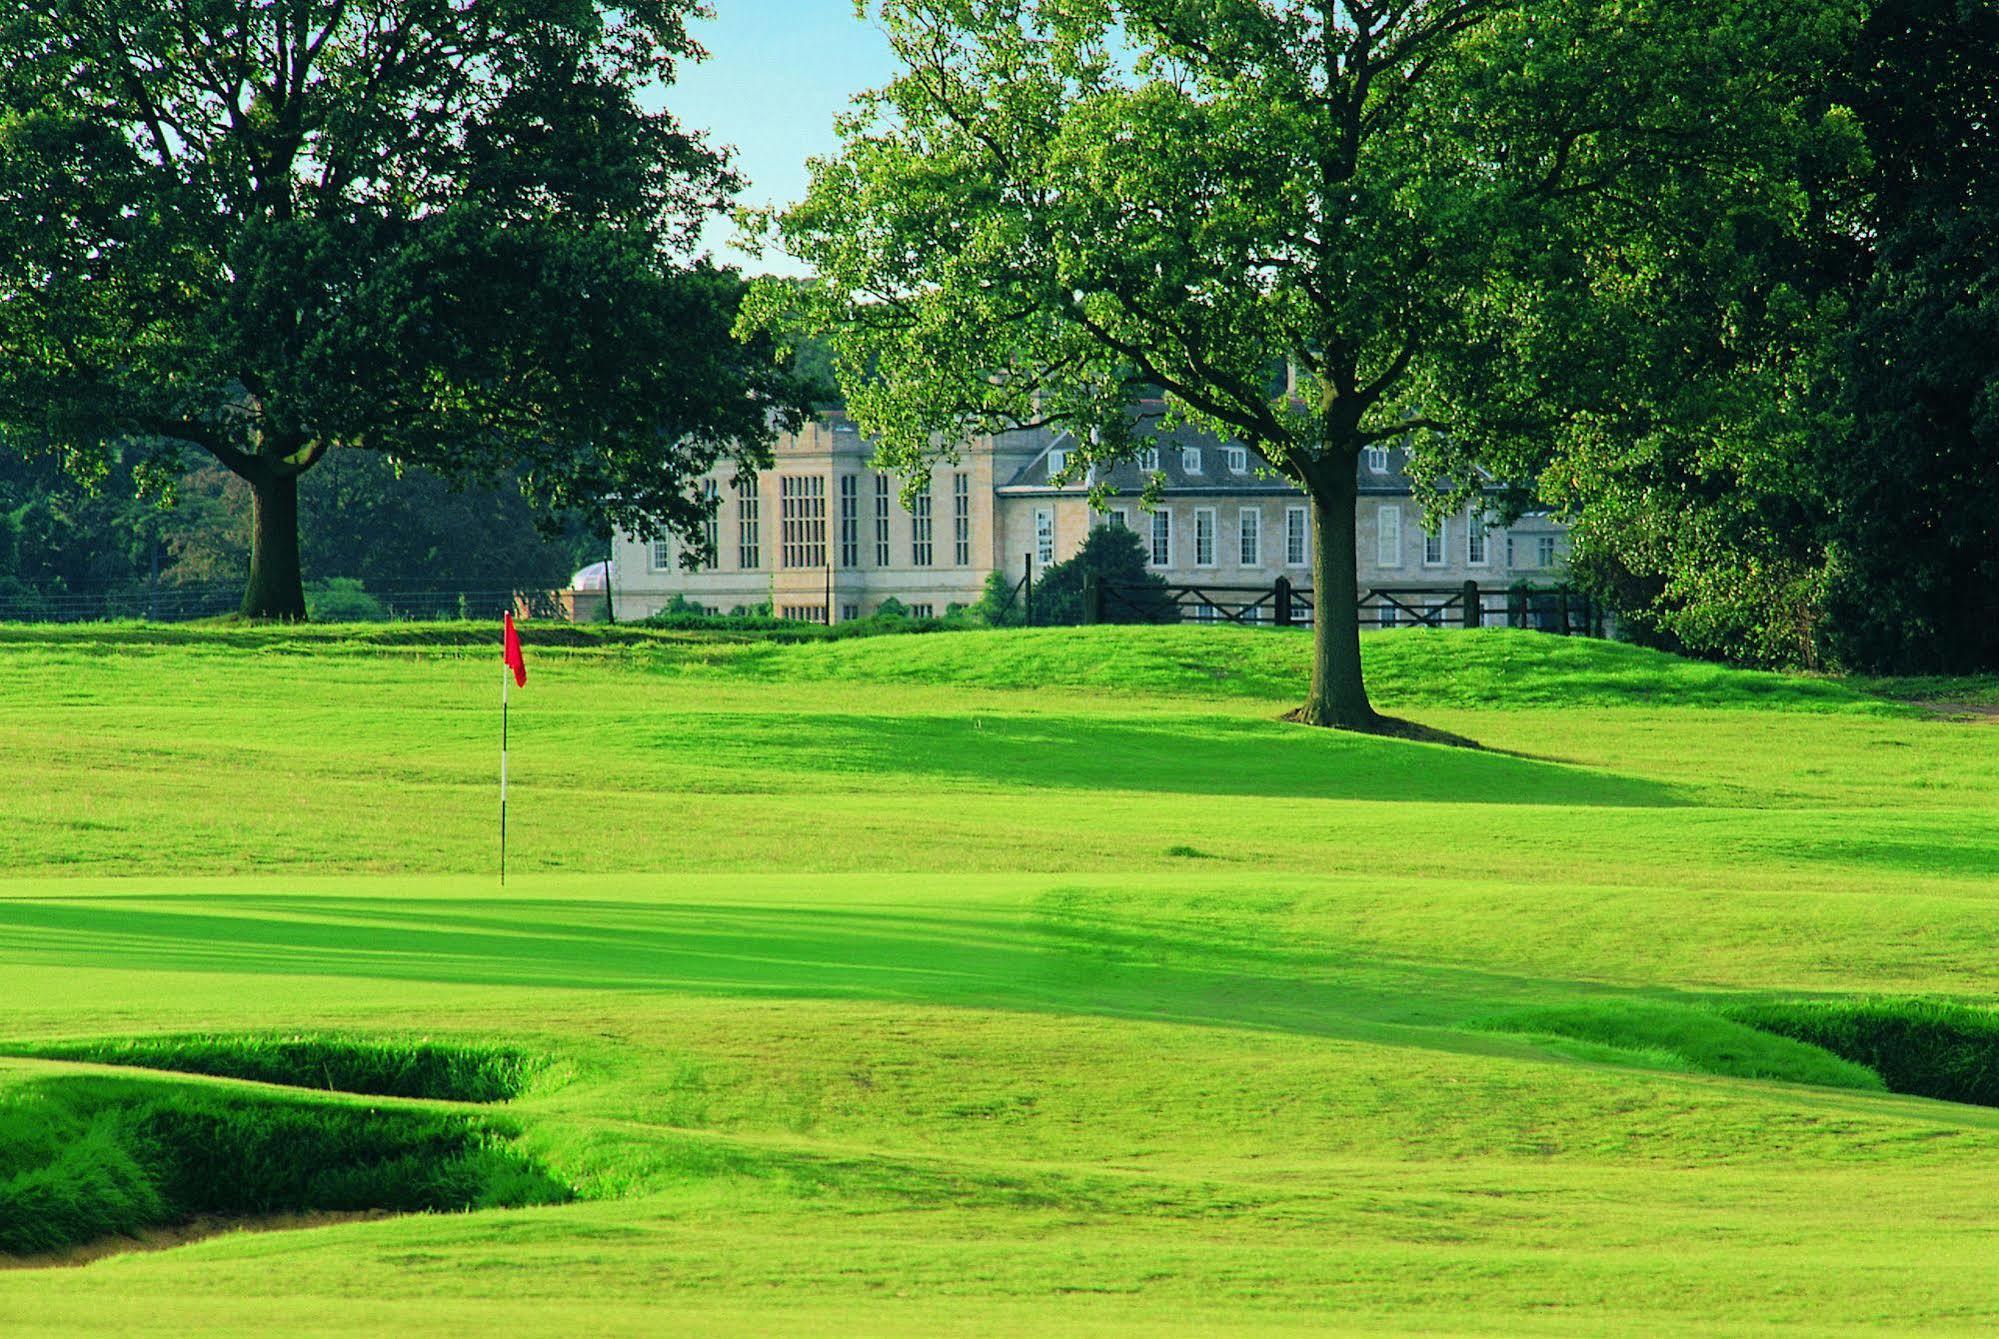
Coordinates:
<point>1028,981</point>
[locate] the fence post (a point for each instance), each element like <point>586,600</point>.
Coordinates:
<point>1474,609</point>
<point>1282,599</point>
<point>1027,587</point>
<point>1093,598</point>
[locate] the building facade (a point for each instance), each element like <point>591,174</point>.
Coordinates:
<point>823,536</point>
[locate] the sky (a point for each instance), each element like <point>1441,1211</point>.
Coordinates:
<point>777,74</point>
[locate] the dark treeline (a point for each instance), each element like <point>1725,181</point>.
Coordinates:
<point>63,545</point>
<point>1863,539</point>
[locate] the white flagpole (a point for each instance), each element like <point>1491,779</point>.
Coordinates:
<point>506,673</point>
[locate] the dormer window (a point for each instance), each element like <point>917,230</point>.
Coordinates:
<point>1190,459</point>
<point>1238,460</point>
<point>1148,459</point>
<point>1377,459</point>
<point>1057,462</point>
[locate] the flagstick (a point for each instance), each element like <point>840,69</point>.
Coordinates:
<point>506,673</point>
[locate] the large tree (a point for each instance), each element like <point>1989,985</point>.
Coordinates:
<point>448,231</point>
<point>1843,513</point>
<point>1465,222</point>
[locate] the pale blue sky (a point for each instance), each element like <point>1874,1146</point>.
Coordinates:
<point>778,72</point>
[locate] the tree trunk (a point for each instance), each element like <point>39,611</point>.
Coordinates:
<point>1339,695</point>
<point>275,590</point>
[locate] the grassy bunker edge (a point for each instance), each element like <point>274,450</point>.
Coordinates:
<point>84,1158</point>
<point>413,1067</point>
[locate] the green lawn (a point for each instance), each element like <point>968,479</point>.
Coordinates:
<point>1025,982</point>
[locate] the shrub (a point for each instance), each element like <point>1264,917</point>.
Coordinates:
<point>342,600</point>
<point>1117,557</point>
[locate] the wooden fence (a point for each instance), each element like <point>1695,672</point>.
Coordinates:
<point>1559,609</point>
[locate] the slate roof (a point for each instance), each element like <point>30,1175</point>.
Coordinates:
<point>1214,476</point>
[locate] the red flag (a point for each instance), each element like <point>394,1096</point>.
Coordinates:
<point>511,653</point>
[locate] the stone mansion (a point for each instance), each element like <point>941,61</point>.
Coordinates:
<point>823,536</point>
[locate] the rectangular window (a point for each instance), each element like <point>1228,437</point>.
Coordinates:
<point>1544,550</point>
<point>749,555</point>
<point>803,613</point>
<point>919,529</point>
<point>1118,518</point>
<point>711,529</point>
<point>923,611</point>
<point>881,520</point>
<point>1205,613</point>
<point>1238,460</point>
<point>1249,524</point>
<point>1057,462</point>
<point>1387,616</point>
<point>850,520</point>
<point>961,519</point>
<point>802,517</point>
<point>1295,530</point>
<point>849,612</point>
<point>660,559</point>
<point>1148,459</point>
<point>1204,536</point>
<point>1475,545</point>
<point>1435,539</point>
<point>1190,459</point>
<point>1388,537</point>
<point>1377,459</point>
<point>1162,538</point>
<point>1044,535</point>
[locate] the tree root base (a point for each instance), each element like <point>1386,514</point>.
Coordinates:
<point>1392,727</point>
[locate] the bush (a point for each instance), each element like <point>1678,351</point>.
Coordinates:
<point>342,600</point>
<point>1117,557</point>
<point>1925,1048</point>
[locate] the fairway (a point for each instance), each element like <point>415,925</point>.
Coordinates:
<point>1038,981</point>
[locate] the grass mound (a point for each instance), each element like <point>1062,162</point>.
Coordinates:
<point>84,1159</point>
<point>1925,1048</point>
<point>1667,1036</point>
<point>442,1071</point>
<point>1488,668</point>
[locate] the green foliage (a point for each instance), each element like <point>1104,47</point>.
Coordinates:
<point>1841,514</point>
<point>342,600</point>
<point>82,1159</point>
<point>447,1071</point>
<point>1683,1037</point>
<point>1912,578</point>
<point>448,234</point>
<point>1116,557</point>
<point>1929,1048</point>
<point>998,606</point>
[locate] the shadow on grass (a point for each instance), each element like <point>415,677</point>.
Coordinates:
<point>1212,755</point>
<point>1056,961</point>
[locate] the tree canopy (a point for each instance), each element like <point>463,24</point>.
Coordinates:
<point>449,233</point>
<point>1507,230</point>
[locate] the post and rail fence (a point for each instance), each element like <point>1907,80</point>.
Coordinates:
<point>1559,609</point>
